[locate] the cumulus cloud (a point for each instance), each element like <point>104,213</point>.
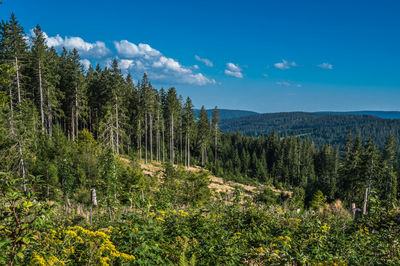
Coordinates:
<point>206,61</point>
<point>137,59</point>
<point>132,58</point>
<point>285,64</point>
<point>130,50</point>
<point>325,66</point>
<point>96,50</point>
<point>233,70</point>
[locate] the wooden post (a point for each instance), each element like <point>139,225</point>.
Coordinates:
<point>353,210</point>
<point>94,197</point>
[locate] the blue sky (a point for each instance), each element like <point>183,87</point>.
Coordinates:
<point>265,56</point>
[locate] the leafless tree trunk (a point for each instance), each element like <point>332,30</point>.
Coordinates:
<point>18,82</point>
<point>72,123</point>
<point>163,145</point>
<point>364,212</point>
<point>151,137</point>
<point>180,146</point>
<point>117,124</point>
<point>172,139</point>
<point>76,110</point>
<point>22,162</point>
<point>145,136</point>
<point>216,144</point>
<point>11,113</point>
<point>49,115</point>
<point>139,140</point>
<point>158,137</point>
<point>41,97</point>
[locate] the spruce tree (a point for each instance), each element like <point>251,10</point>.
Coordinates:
<point>203,129</point>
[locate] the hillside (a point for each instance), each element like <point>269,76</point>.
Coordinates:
<point>321,128</point>
<point>380,114</point>
<point>228,113</point>
<point>217,184</point>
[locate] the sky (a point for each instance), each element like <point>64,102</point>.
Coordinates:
<point>264,56</point>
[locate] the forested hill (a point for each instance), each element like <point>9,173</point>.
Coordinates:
<point>227,113</point>
<point>321,128</point>
<point>381,114</point>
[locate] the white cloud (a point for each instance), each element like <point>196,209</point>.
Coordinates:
<point>86,63</point>
<point>206,61</point>
<point>137,59</point>
<point>285,83</point>
<point>285,64</point>
<point>325,66</point>
<point>130,50</point>
<point>196,67</point>
<point>97,50</point>
<point>233,74</point>
<point>233,67</point>
<point>265,75</point>
<point>124,64</point>
<point>233,70</point>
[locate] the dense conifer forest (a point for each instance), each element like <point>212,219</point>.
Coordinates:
<point>321,128</point>
<point>73,143</point>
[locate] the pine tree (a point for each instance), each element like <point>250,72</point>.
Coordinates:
<point>38,53</point>
<point>172,110</point>
<point>390,162</point>
<point>188,123</point>
<point>13,48</point>
<point>215,126</point>
<point>203,128</point>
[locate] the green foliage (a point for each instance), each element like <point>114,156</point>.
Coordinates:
<point>318,200</point>
<point>180,188</point>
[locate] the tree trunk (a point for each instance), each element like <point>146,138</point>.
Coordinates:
<point>72,123</point>
<point>202,156</point>
<point>186,145</point>
<point>172,139</point>
<point>49,115</point>
<point>163,145</point>
<point>18,82</point>
<point>151,137</point>
<point>117,124</point>
<point>145,136</point>
<point>76,111</point>
<point>41,97</point>
<point>158,137</point>
<point>112,139</point>
<point>139,141</point>
<point>11,113</point>
<point>22,162</point>
<point>216,144</point>
<point>180,146</point>
<point>364,212</point>
<point>188,152</point>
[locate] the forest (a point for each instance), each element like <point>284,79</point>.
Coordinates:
<point>74,142</point>
<point>322,128</point>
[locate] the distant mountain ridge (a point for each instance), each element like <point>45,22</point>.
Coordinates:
<point>322,128</point>
<point>228,113</point>
<point>381,114</point>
